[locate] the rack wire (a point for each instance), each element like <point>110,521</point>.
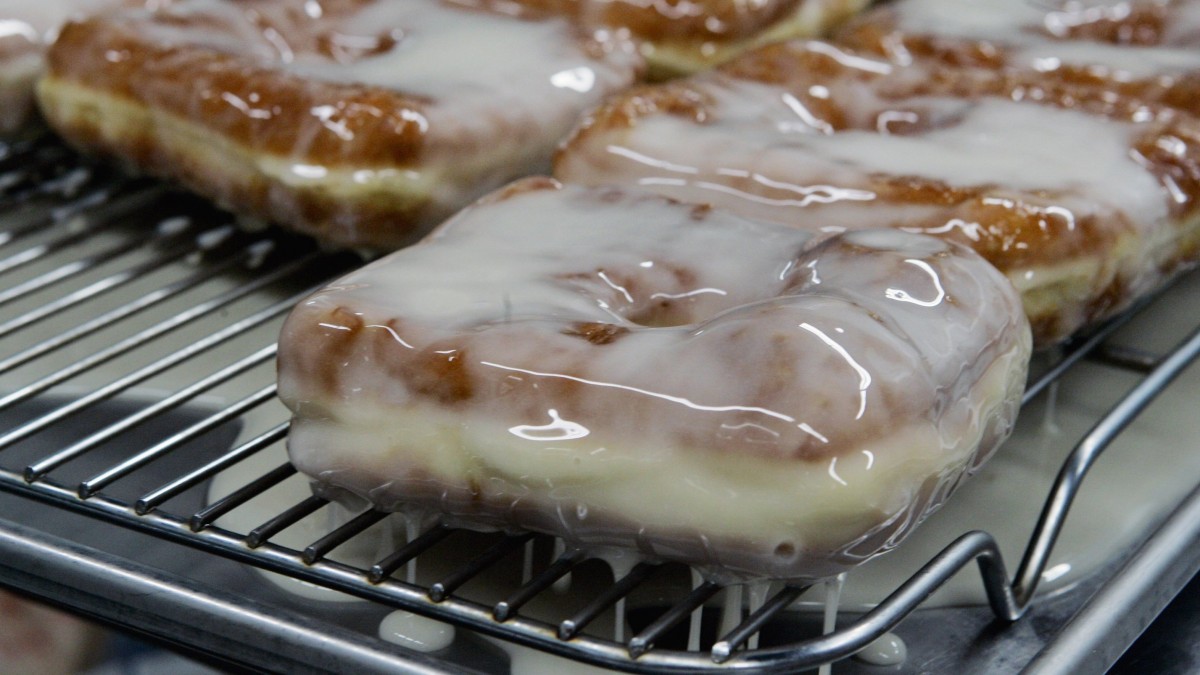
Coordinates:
<point>120,292</point>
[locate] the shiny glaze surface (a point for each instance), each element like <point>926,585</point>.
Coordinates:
<point>1139,37</point>
<point>699,20</point>
<point>685,36</point>
<point>345,72</point>
<point>359,121</point>
<point>1082,203</point>
<point>1149,49</point>
<point>35,23</point>
<point>625,371</point>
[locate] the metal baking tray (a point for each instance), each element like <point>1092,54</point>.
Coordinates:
<point>137,330</point>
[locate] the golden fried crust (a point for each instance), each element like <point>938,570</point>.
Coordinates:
<point>680,37</point>
<point>1134,24</point>
<point>721,20</point>
<point>196,83</point>
<point>239,102</point>
<point>1025,230</point>
<point>1169,147</point>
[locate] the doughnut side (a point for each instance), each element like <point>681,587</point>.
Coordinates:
<point>683,38</point>
<point>787,416</point>
<point>379,208</point>
<point>363,125</point>
<point>1083,199</point>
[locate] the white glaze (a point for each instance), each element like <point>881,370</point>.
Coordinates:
<point>1029,32</point>
<point>1158,452</point>
<point>888,649</point>
<point>573,457</point>
<point>474,66</point>
<point>468,99</point>
<point>1149,468</point>
<point>833,599</point>
<point>731,609</point>
<point>38,21</point>
<point>755,135</point>
<point>1146,471</point>
<point>685,37</point>
<point>1079,209</point>
<point>695,620</point>
<point>757,593</point>
<point>416,632</point>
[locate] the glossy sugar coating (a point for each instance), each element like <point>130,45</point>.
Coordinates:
<point>1149,49</point>
<point>1084,199</point>
<point>685,36</point>
<point>362,122</point>
<point>625,371</point>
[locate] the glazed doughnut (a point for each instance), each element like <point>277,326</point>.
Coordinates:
<point>1141,49</point>
<point>361,122</point>
<point>31,26</point>
<point>1084,203</point>
<point>625,371</point>
<point>685,36</point>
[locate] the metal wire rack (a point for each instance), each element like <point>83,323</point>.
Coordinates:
<point>127,310</point>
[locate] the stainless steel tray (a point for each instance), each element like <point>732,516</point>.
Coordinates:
<point>136,363</point>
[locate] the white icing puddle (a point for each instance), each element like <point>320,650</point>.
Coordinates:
<point>833,598</point>
<point>416,632</point>
<point>887,650</point>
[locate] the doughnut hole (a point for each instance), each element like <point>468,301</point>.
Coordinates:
<point>656,294</point>
<point>662,313</point>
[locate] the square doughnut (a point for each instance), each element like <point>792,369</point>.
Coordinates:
<point>1085,204</point>
<point>628,372</point>
<point>360,122</point>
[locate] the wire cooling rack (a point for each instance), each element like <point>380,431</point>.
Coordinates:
<point>136,364</point>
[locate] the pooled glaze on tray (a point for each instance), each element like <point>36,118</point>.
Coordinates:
<point>361,121</point>
<point>1082,203</point>
<point>625,371</point>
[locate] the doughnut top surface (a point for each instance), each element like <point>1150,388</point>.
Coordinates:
<point>1140,38</point>
<point>709,318</point>
<point>427,48</point>
<point>368,81</point>
<point>808,124</point>
<point>626,371</point>
<point>1079,192</point>
<point>700,20</point>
